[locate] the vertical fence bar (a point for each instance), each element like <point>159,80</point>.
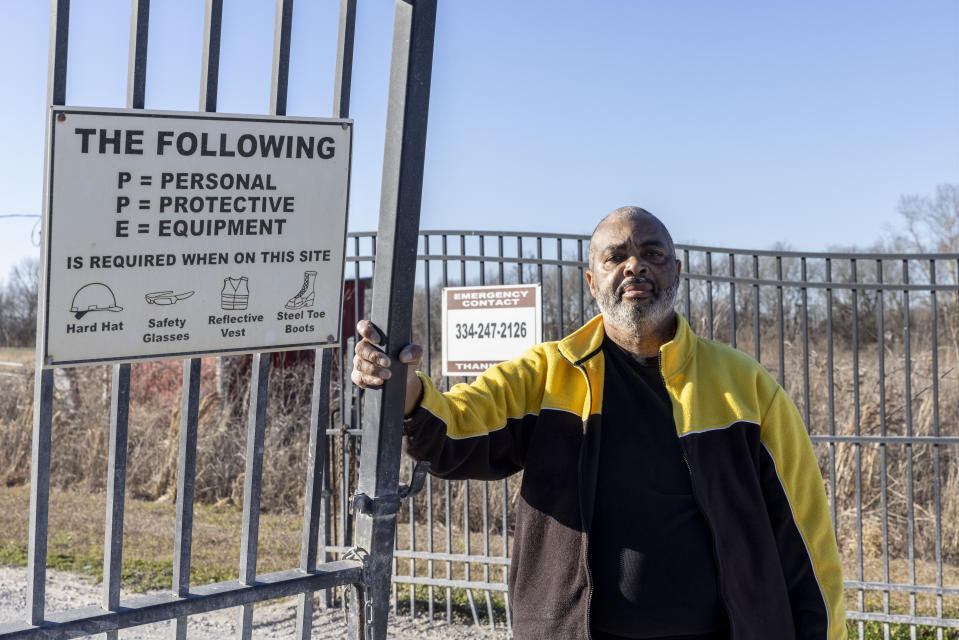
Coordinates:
<point>448,522</point>
<point>346,417</point>
<point>505,549</point>
<point>394,274</point>
<point>688,299</point>
<point>781,321</point>
<point>280,79</point>
<point>482,263</point>
<point>907,396</point>
<point>709,293</point>
<point>210,68</point>
<point>412,563</point>
<point>732,301</point>
<point>344,59</point>
<point>830,380</point>
<point>252,484</point>
<point>429,545</point>
<point>501,275</point>
<point>582,282</point>
<point>504,546</point>
<point>486,529</point>
<point>447,492</point>
<point>311,543</point>
<point>120,388</point>
<point>466,548</point>
<point>343,82</point>
<point>39,494</point>
<point>185,486</point>
<point>116,487</point>
<point>520,265</point>
<point>43,378</point>
<point>539,278</point>
<point>857,430</point>
<point>883,475</point>
<point>192,369</point>
<point>429,480</point>
<point>559,273</point>
<point>804,292</point>
<point>486,547</point>
<point>499,252</point>
<point>345,474</point>
<point>757,330</point>
<point>937,487</point>
<point>137,70</point>
<point>252,481</point>
<point>349,442</point>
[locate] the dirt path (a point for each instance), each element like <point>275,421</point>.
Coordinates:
<point>273,620</point>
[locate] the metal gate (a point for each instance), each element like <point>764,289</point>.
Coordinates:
<point>366,572</point>
<point>867,345</point>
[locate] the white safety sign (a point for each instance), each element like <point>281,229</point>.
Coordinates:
<point>483,326</point>
<point>170,234</point>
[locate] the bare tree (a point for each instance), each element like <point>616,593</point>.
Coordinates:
<point>932,222</point>
<point>18,304</point>
<point>932,226</point>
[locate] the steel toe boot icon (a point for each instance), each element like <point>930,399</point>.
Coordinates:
<point>95,296</point>
<point>235,295</point>
<point>305,296</point>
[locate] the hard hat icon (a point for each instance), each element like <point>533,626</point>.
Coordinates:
<point>95,296</point>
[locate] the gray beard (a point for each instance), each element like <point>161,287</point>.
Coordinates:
<point>638,319</point>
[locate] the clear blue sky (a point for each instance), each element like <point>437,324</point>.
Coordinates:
<point>740,123</point>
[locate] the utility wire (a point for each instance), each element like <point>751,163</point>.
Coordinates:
<point>35,232</point>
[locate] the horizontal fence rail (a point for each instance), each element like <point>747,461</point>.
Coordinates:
<point>866,344</point>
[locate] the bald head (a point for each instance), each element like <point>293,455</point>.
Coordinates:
<point>628,214</point>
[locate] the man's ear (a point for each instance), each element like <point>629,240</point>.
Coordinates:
<point>679,267</point>
<point>589,281</point>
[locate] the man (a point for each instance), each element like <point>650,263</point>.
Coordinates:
<point>669,487</point>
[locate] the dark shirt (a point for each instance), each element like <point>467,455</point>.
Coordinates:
<point>650,550</point>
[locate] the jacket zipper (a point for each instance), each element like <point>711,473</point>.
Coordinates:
<point>712,533</point>
<point>589,574</point>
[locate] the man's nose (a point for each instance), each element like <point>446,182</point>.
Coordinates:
<point>635,265</point>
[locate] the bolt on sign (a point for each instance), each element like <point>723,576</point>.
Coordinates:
<point>483,326</point>
<point>170,234</point>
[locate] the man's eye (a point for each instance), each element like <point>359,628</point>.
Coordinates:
<point>616,257</point>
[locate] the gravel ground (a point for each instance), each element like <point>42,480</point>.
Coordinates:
<point>272,620</point>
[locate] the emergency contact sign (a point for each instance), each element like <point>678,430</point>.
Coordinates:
<point>483,326</point>
<point>172,234</point>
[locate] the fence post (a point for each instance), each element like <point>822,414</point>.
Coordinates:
<point>393,279</point>
<point>43,378</point>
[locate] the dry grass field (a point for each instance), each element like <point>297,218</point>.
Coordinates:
<point>75,538</point>
<point>18,355</point>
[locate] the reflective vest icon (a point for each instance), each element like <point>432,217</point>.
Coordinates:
<point>235,295</point>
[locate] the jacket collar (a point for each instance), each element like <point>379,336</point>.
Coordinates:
<point>587,341</point>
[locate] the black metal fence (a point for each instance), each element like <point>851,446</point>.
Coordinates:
<point>364,572</point>
<point>866,344</point>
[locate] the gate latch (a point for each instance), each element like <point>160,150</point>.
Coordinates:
<point>389,504</point>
